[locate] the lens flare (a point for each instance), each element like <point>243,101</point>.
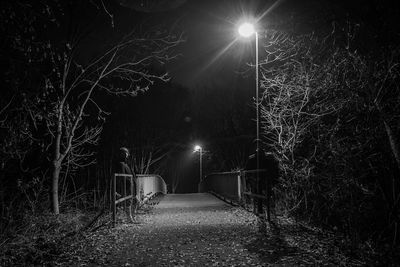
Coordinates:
<point>246,29</point>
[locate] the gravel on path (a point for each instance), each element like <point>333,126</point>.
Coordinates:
<point>192,230</point>
<point>201,230</point>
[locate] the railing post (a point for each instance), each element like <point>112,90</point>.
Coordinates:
<point>113,205</point>
<point>244,177</point>
<point>268,199</point>
<point>239,183</point>
<point>259,201</point>
<point>125,181</point>
<point>133,203</point>
<point>109,191</point>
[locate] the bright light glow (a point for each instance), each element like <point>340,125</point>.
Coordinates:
<point>197,148</point>
<point>246,29</point>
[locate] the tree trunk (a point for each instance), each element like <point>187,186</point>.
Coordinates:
<point>55,175</point>
<point>394,145</point>
<point>393,141</point>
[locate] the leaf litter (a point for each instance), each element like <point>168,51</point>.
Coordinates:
<point>210,236</point>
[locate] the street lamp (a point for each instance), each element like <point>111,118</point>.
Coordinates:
<point>247,30</point>
<point>199,149</point>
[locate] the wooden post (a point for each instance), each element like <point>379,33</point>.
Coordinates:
<point>244,189</point>
<point>268,199</point>
<point>133,194</point>
<point>113,205</point>
<point>125,180</point>
<point>239,184</point>
<point>109,190</point>
<point>259,201</point>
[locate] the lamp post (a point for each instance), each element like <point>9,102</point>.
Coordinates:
<point>199,149</point>
<point>247,30</point>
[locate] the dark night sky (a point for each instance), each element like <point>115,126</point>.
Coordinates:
<point>211,56</point>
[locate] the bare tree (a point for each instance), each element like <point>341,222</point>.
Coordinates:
<point>147,157</point>
<point>56,87</point>
<point>330,115</point>
<point>122,70</point>
<point>386,97</point>
<point>296,93</point>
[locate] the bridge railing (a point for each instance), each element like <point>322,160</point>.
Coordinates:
<point>150,184</point>
<point>239,186</point>
<point>226,184</point>
<point>147,185</point>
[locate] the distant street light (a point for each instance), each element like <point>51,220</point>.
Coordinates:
<point>199,149</point>
<point>247,30</point>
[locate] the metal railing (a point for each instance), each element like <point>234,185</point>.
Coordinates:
<point>238,186</point>
<point>147,186</point>
<point>150,184</point>
<point>226,184</point>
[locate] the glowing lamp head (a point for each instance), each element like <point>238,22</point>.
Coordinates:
<point>197,148</point>
<point>246,29</point>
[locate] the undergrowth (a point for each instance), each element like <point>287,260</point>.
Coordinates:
<point>42,237</point>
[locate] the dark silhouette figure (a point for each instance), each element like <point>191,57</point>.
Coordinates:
<point>124,183</point>
<point>267,177</point>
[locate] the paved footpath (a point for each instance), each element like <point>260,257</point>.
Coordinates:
<point>192,230</point>
<point>201,230</point>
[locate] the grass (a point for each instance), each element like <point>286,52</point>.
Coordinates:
<point>41,238</point>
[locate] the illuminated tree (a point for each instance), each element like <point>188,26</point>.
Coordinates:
<point>63,83</point>
<point>330,115</point>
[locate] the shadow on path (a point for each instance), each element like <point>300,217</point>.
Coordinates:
<point>270,245</point>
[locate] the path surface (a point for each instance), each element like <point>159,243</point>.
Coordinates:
<point>201,230</point>
<point>193,230</point>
